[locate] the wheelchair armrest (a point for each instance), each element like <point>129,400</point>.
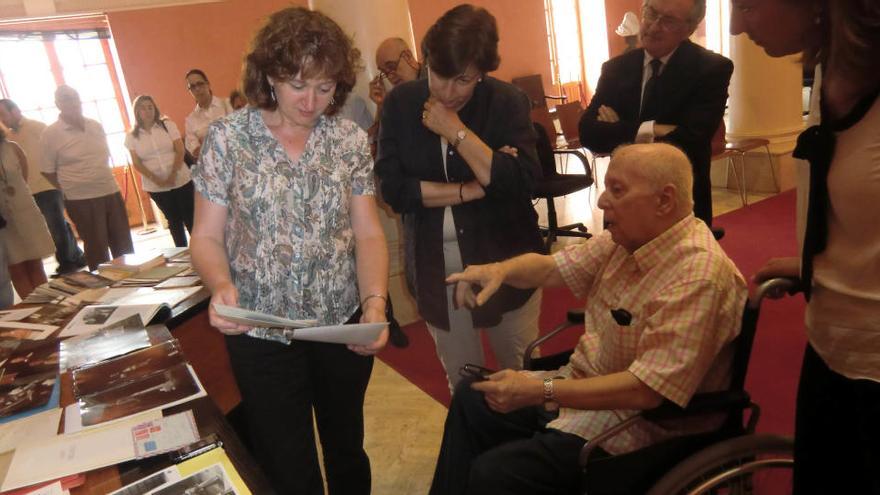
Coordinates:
<point>709,402</point>
<point>568,323</point>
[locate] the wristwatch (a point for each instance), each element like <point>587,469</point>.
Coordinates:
<point>459,137</point>
<point>550,403</point>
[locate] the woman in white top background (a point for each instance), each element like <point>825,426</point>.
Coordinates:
<point>157,153</point>
<point>26,235</point>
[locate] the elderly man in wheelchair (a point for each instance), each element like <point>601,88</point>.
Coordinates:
<point>664,304</point>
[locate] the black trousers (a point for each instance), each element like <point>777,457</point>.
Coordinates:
<point>487,452</point>
<point>177,205</point>
<point>837,431</point>
<point>280,387</point>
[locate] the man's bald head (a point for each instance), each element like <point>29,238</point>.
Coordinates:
<point>647,191</point>
<point>68,103</point>
<point>396,61</point>
<point>662,165</point>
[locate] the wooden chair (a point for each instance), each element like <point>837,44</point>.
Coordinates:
<point>722,148</point>
<point>533,87</point>
<point>569,115</point>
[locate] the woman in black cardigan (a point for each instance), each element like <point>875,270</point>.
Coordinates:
<point>457,160</point>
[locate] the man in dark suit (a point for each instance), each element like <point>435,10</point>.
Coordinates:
<point>682,104</point>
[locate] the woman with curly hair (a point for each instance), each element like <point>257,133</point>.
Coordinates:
<point>286,223</point>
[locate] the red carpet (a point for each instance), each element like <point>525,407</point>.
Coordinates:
<point>753,234</point>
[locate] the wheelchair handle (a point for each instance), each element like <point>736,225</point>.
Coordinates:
<point>774,288</point>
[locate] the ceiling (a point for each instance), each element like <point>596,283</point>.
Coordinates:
<point>20,9</point>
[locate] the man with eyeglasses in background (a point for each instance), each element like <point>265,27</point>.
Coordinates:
<point>208,109</point>
<point>670,90</point>
<point>396,64</point>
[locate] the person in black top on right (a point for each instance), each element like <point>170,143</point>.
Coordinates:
<point>838,400</point>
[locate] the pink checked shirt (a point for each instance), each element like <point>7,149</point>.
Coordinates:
<point>686,299</point>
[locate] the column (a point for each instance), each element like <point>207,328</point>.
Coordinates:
<point>765,101</point>
<point>369,23</point>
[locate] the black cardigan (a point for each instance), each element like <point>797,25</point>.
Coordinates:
<point>501,225</point>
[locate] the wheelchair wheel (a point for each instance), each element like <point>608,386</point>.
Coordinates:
<point>751,464</point>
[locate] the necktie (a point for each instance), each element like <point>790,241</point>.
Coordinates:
<point>649,98</point>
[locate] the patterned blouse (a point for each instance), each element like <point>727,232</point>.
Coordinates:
<point>288,232</point>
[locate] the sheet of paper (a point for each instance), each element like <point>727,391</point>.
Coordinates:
<point>50,489</point>
<point>92,318</point>
<point>257,319</point>
<point>63,455</point>
<point>35,428</point>
<point>164,434</point>
<point>357,334</point>
<point>17,314</point>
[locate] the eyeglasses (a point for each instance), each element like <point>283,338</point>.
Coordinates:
<point>389,67</point>
<point>195,85</point>
<point>667,22</point>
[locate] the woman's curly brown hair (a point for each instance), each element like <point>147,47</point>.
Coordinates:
<point>299,42</point>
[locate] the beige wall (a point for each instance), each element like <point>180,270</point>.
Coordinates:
<point>521,29</point>
<point>158,46</point>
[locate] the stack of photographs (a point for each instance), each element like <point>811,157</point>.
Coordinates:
<point>152,378</point>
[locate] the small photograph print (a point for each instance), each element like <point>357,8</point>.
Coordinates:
<point>212,480</point>
<point>30,358</point>
<point>97,315</point>
<point>52,314</point>
<point>26,393</point>
<point>155,391</point>
<point>126,369</point>
<point>146,485</point>
<point>20,333</point>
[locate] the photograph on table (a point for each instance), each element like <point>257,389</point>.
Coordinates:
<point>30,358</point>
<point>155,391</point>
<point>115,340</point>
<point>209,481</point>
<point>25,393</point>
<point>126,369</point>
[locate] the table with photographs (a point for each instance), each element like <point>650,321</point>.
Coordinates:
<point>204,354</point>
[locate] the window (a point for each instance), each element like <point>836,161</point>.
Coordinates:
<point>36,61</point>
<point>578,44</point>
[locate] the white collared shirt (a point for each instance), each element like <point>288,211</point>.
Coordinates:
<point>646,129</point>
<point>155,148</point>
<point>27,135</point>
<point>81,159</point>
<point>196,124</point>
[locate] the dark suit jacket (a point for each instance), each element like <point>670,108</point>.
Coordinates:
<point>501,225</point>
<point>692,91</point>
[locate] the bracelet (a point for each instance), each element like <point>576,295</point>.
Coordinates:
<point>461,192</point>
<point>380,296</point>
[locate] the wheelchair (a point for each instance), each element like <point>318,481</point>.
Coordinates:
<point>732,459</point>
